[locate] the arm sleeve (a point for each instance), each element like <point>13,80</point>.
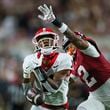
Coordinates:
<point>26,75</point>
<point>27,65</point>
<point>66,62</point>
<point>91,51</point>
<point>27,68</point>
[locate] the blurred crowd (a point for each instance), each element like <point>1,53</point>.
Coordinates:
<point>18,24</point>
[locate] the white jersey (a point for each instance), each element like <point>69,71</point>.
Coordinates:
<point>62,62</point>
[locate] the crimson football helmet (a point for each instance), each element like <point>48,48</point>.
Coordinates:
<point>45,40</point>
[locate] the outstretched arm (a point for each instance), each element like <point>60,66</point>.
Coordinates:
<point>77,41</point>
<point>48,16</point>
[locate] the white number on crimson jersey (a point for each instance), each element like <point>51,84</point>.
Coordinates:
<point>90,80</point>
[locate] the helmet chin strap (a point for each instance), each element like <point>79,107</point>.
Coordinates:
<point>47,51</point>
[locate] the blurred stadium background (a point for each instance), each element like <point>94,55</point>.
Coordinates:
<point>18,23</point>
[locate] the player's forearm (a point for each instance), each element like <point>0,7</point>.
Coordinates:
<point>56,82</point>
<point>26,84</point>
<point>55,85</point>
<point>51,85</point>
<point>78,42</point>
<point>33,95</point>
<point>63,28</point>
<point>45,79</point>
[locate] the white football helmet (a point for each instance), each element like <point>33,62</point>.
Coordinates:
<point>45,40</point>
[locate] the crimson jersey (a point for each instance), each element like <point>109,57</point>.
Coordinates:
<point>93,71</point>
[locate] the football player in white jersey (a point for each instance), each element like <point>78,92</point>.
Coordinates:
<point>89,63</point>
<point>46,73</point>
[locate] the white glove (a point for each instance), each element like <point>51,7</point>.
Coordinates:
<point>47,12</point>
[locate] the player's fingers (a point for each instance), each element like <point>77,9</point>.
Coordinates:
<point>41,17</point>
<point>46,8</point>
<point>51,10</point>
<point>40,8</point>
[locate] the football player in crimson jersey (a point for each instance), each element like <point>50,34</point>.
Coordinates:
<point>46,73</point>
<point>89,64</point>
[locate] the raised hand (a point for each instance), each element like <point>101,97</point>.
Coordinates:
<point>48,15</point>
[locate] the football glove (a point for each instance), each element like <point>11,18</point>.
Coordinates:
<point>35,97</point>
<point>48,15</point>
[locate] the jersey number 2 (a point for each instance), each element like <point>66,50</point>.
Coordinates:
<point>90,80</point>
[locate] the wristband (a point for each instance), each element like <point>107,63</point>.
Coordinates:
<point>63,28</point>
<point>57,23</point>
